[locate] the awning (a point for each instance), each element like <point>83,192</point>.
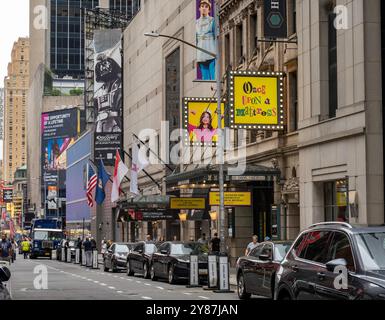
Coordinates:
<point>126,215</point>
<point>210,174</point>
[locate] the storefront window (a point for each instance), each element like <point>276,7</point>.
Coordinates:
<point>336,201</point>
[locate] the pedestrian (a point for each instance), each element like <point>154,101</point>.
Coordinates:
<point>88,250</point>
<point>93,244</point>
<point>252,245</point>
<point>215,244</point>
<point>79,246</point>
<point>104,247</point>
<point>25,247</point>
<point>175,238</point>
<point>148,238</point>
<point>5,249</point>
<point>203,239</point>
<point>14,249</point>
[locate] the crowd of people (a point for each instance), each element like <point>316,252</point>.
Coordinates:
<point>9,248</point>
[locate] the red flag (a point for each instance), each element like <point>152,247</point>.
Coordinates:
<point>12,229</point>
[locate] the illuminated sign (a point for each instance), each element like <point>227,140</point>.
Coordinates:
<point>256,100</point>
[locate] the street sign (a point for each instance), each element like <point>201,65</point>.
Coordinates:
<point>187,203</point>
<point>232,199</point>
<point>275,19</point>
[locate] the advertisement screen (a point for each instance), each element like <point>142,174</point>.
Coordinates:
<point>108,94</point>
<point>59,130</point>
<point>201,120</point>
<point>205,38</point>
<point>256,100</point>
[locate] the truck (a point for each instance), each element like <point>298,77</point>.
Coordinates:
<point>46,235</point>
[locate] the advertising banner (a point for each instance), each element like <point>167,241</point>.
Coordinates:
<point>59,130</point>
<point>256,100</point>
<point>7,195</point>
<point>108,95</point>
<point>201,120</point>
<point>275,19</point>
<point>205,38</point>
<point>232,199</point>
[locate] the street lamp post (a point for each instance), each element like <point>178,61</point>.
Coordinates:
<point>220,142</point>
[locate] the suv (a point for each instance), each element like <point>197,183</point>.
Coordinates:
<point>333,261</point>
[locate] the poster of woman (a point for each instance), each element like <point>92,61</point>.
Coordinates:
<point>202,119</point>
<point>205,39</point>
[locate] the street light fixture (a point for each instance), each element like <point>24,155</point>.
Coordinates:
<point>220,144</point>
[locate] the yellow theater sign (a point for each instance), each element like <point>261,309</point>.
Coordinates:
<point>188,203</point>
<point>232,199</point>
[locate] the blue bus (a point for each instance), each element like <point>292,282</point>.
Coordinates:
<point>46,235</point>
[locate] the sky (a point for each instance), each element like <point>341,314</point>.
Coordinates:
<point>14,23</point>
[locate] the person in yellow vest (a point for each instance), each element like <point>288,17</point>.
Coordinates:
<point>26,247</point>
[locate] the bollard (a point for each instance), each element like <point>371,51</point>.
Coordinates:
<point>63,254</point>
<point>83,257</point>
<point>224,275</point>
<point>95,262</point>
<point>194,272</point>
<point>77,256</point>
<point>69,255</point>
<point>212,272</point>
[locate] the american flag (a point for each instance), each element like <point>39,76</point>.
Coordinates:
<point>91,185</point>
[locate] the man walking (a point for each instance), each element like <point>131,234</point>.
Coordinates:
<point>215,244</point>
<point>5,249</point>
<point>251,245</point>
<point>25,247</point>
<point>88,250</point>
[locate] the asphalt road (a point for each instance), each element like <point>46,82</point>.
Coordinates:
<point>72,282</point>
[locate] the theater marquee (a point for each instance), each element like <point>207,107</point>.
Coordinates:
<point>256,100</point>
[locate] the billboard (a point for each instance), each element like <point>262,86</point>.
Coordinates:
<point>275,25</point>
<point>205,34</point>
<point>7,195</point>
<point>256,100</point>
<point>201,120</point>
<point>59,130</point>
<point>108,94</point>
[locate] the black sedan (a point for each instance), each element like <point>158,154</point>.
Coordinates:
<point>256,272</point>
<point>139,260</point>
<point>172,261</point>
<point>116,256</point>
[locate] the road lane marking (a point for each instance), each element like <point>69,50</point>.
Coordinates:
<point>160,288</point>
<point>129,279</point>
<point>138,281</point>
<point>203,297</point>
<point>119,291</point>
<point>147,298</point>
<point>103,284</point>
<point>147,284</point>
<point>112,288</point>
<point>187,293</point>
<point>96,281</point>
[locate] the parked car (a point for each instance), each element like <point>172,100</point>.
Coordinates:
<point>5,275</point>
<point>72,245</point>
<point>256,272</point>
<point>139,259</point>
<point>172,261</point>
<point>334,261</point>
<point>115,258</point>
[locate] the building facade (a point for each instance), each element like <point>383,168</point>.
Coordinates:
<point>16,100</point>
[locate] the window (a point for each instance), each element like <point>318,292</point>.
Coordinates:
<point>332,54</point>
<point>299,248</point>
<point>293,17</point>
<point>139,247</point>
<point>317,246</point>
<point>293,112</point>
<point>164,247</point>
<point>336,206</point>
<point>256,252</point>
<point>239,44</point>
<point>227,50</point>
<point>340,249</point>
<point>253,34</point>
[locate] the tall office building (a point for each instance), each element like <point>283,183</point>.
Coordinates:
<point>1,113</point>
<point>67,32</point>
<point>15,102</point>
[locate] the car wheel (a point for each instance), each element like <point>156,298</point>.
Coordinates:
<point>242,293</point>
<point>171,276</point>
<point>146,273</point>
<point>152,273</point>
<point>129,271</point>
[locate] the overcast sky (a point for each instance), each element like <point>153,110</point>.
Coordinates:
<point>14,23</point>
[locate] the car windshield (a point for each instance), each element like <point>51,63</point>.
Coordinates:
<point>188,248</point>
<point>280,251</point>
<point>371,247</point>
<point>121,248</point>
<point>149,248</point>
<point>47,235</point>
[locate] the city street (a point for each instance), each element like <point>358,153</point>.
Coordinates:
<point>73,282</point>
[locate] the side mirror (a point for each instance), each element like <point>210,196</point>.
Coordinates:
<point>5,274</point>
<point>264,257</point>
<point>163,251</point>
<point>332,265</point>
<point>140,251</point>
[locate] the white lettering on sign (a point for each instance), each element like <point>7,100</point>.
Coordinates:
<point>275,4</point>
